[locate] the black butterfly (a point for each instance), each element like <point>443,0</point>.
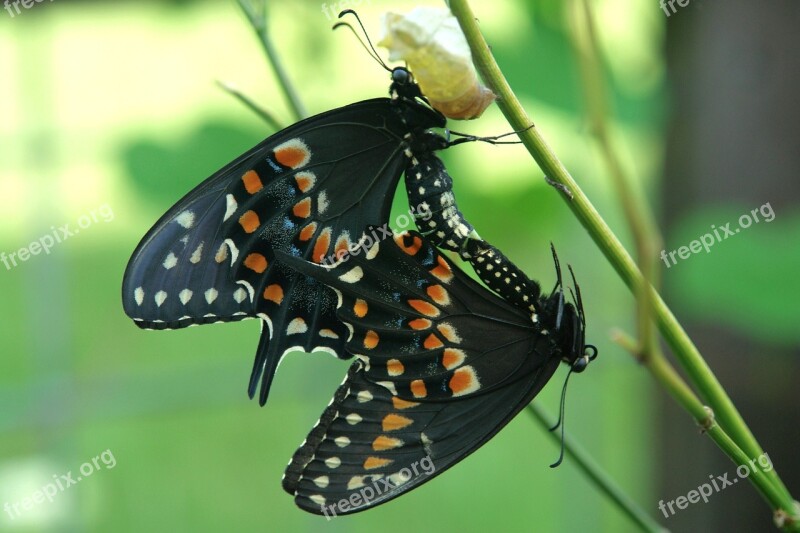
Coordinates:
<point>442,365</point>
<point>309,190</point>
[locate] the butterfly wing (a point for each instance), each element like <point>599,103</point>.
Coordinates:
<point>305,190</point>
<point>443,365</point>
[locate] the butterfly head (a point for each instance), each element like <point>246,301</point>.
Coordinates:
<point>566,322</point>
<point>403,84</point>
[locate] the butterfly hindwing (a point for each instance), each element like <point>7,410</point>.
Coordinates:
<point>443,364</point>
<point>420,324</point>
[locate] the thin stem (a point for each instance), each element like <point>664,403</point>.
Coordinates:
<point>268,117</point>
<point>259,23</point>
<point>685,351</point>
<point>640,220</point>
<point>666,375</point>
<point>596,474</point>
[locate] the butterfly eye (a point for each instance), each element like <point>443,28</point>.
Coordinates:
<point>589,354</point>
<point>401,76</point>
<point>580,364</point>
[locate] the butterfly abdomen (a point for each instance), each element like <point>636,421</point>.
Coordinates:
<point>503,276</point>
<point>430,195</point>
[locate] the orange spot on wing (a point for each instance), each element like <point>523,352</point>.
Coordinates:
<point>292,154</point>
<point>256,262</point>
<point>376,462</point>
<point>393,422</point>
<point>418,388</point>
<point>249,221</point>
<point>307,232</point>
<point>274,293</point>
<point>321,246</point>
<point>383,442</point>
<point>394,367</point>
<point>252,182</point>
<point>464,381</point>
<point>411,249</point>
<point>302,209</point>
<point>442,271</point>
<point>360,308</point>
<point>438,294</point>
<point>452,358</point>
<point>420,323</point>
<point>424,307</point>
<point>370,340</point>
<point>305,181</point>
<point>432,342</point>
<point>399,403</point>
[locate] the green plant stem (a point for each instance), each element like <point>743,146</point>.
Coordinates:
<point>687,354</point>
<point>265,115</point>
<point>596,474</point>
<point>646,237</point>
<point>666,375</point>
<point>259,23</point>
<point>640,220</point>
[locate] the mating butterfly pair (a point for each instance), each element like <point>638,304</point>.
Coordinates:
<point>442,363</point>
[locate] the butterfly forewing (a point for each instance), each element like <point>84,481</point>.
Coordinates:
<point>442,365</point>
<point>306,190</point>
<point>180,273</point>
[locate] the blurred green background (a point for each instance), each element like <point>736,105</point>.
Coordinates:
<point>111,109</point>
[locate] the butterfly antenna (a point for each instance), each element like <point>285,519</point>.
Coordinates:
<point>561,416</point>
<point>368,45</point>
<point>577,296</point>
<point>559,287</point>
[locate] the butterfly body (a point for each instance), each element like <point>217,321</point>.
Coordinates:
<point>428,184</point>
<point>442,364</point>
